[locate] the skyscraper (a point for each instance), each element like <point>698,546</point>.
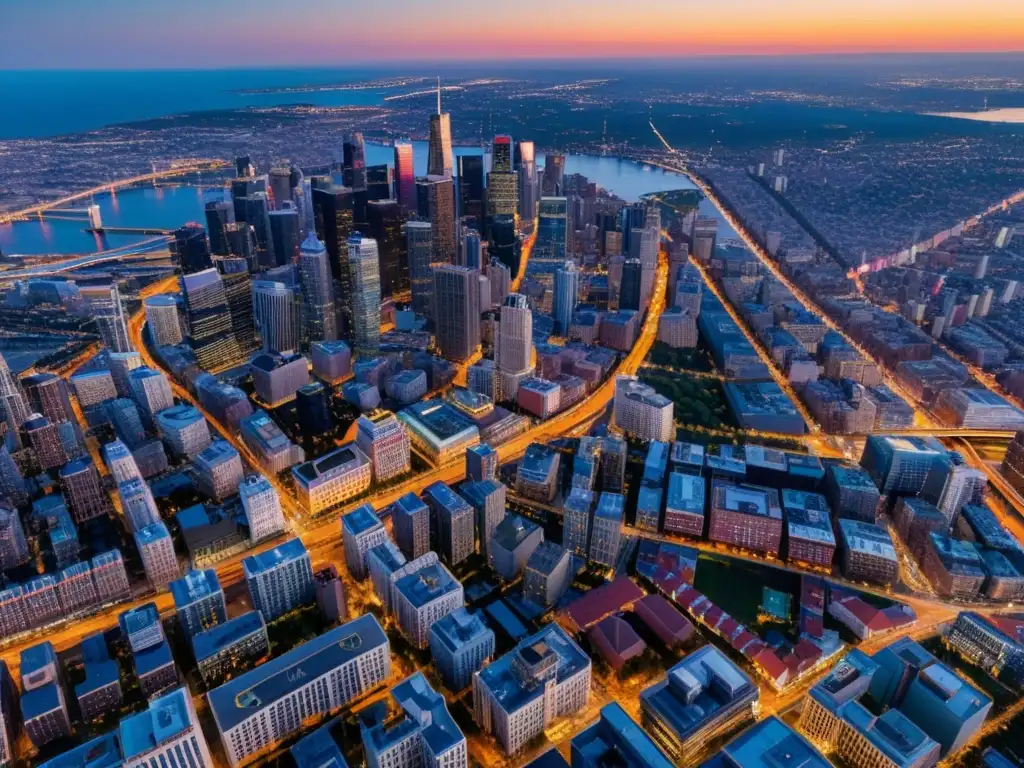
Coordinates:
<point>84,491</point>
<point>104,304</point>
<point>470,248</point>
<point>48,394</point>
<point>439,159</point>
<point>284,234</point>
<point>502,195</point>
<point>515,343</point>
<point>191,249</point>
<point>353,169</point>
<point>234,275</point>
<point>419,241</point>
<point>279,579</point>
<point>209,319</point>
<point>405,176</point>
<point>378,182</point>
<point>503,242</point>
<point>333,210</point>
<point>501,154</point>
<point>385,219</point>
<point>567,286</point>
<point>13,546</point>
<point>552,230</point>
<point>438,197</point>
<point>321,322</point>
<point>471,190</point>
<point>456,310</point>
<point>262,507</point>
<point>13,404</point>
<point>365,281</point>
<point>280,182</point>
<point>554,175</point>
<point>526,165</point>
<point>257,213</point>
<point>162,319</point>
<point>276,316</point>
<point>219,213</point>
<point>631,293</point>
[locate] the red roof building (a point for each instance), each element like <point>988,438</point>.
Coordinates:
<point>664,620</point>
<point>603,601</point>
<point>616,641</point>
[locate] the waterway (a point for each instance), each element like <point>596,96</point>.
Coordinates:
<point>168,207</point>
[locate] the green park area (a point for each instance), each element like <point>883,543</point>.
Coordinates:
<point>697,359</point>
<point>698,402</point>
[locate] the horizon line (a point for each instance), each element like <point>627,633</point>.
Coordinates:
<point>514,60</point>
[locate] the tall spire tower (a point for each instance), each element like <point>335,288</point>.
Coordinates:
<point>13,405</point>
<point>439,160</point>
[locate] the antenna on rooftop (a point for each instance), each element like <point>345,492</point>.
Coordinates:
<point>439,94</point>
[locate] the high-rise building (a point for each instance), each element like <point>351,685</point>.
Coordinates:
<point>104,304</point>
<point>361,531</point>
<point>439,157</point>
<point>162,319</point>
<point>554,175</point>
<point>276,316</point>
<point>901,464</point>
<point>386,220</point>
<point>488,500</point>
<point>451,522</point>
<point>526,166</point>
<point>184,429</point>
<point>84,491</point>
<point>332,361</point>
<point>502,196</point>
<point>460,644</point>
<point>631,291</point>
<point>366,291</point>
<point>167,733</point>
<point>353,168</point>
<point>209,319</point>
<point>257,215</point>
<point>503,241</point>
<point>320,317</point>
<point>262,508</point>
<point>419,247</point>
<point>424,594</point>
<point>617,739</point>
<point>43,437</point>
<point>285,234</point>
<point>191,248</point>
<point>156,549</point>
<point>378,183</point>
<point>456,297</point>
<point>12,483</point>
<point>218,469</point>
<point>471,190</point>
<point>436,203</point>
<point>642,412</point>
<point>384,440</point>
<point>552,231</point>
<point>337,667</point>
<point>515,343</point>
<point>405,176</point>
<point>471,251</point>
<point>151,391</point>
<point>313,410</point>
<point>280,579</point>
<point>47,394</point>
<point>505,700</point>
<point>412,525</point>
<point>13,405</point>
<point>567,287</point>
<point>547,574</point>
<point>501,153</point>
<point>481,463</point>
<point>219,214</point>
<point>333,478</point>
<point>199,601</point>
<point>120,365</point>
<point>606,529</point>
<point>334,213</point>
<point>13,546</point>
<point>137,503</point>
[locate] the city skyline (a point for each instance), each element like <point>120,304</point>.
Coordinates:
<point>120,35</point>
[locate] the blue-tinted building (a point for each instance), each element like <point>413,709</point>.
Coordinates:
<point>704,693</point>
<point>101,691</point>
<point>893,738</point>
<point>414,729</point>
<point>460,643</point>
<point>768,744</point>
<point>847,681</point>
<point>901,464</point>
<point>102,752</point>
<point>616,740</point>
<point>199,601</point>
<point>280,579</point>
<point>166,735</point>
<point>231,644</point>
<point>762,405</point>
<point>319,749</point>
<point>451,523</point>
<point>411,518</point>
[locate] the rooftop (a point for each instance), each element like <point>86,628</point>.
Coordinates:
<point>360,520</point>
<point>221,636</point>
<point>617,740</point>
<point>459,628</point>
<point>318,750</point>
<point>867,538</point>
<point>603,600</point>
<point>428,584</point>
<point>343,459</point>
<point>610,506</point>
<point>194,586</point>
<point>261,687</point>
<point>167,717</point>
<point>686,493</point>
<point>101,752</point>
<point>893,734</point>
<point>512,531</point>
<point>769,744</point>
<point>509,678</point>
<point>216,452</point>
<point>272,558</point>
<point>696,690</point>
<point>441,419</point>
<point>747,499</point>
<point>545,557</point>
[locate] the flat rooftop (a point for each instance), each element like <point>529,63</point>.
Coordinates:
<point>240,698</point>
<point>272,558</point>
<point>360,520</point>
<point>867,539</point>
<point>166,718</point>
<point>427,585</point>
<point>220,636</point>
<point>194,586</point>
<point>769,744</point>
<point>686,493</point>
<point>746,499</point>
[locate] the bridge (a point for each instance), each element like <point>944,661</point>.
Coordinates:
<point>47,270</point>
<point>190,166</point>
<point>128,231</point>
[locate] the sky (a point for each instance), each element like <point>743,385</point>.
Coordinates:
<point>156,34</point>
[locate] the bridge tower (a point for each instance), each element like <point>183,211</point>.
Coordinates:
<point>95,220</point>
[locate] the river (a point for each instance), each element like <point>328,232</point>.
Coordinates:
<point>167,207</point>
